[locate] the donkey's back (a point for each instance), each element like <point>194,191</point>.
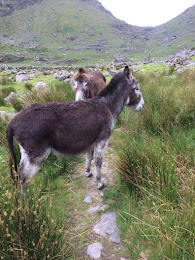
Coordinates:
<point>69,128</point>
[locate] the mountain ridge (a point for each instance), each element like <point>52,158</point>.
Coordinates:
<point>83,31</point>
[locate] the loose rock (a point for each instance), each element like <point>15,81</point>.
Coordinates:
<point>94,250</point>
<point>88,199</point>
<point>94,209</point>
<point>4,115</point>
<point>41,86</point>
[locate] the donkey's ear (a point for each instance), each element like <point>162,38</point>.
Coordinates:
<point>111,72</point>
<point>127,72</point>
<point>81,70</point>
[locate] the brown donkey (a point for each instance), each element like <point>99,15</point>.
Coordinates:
<point>87,85</point>
<point>70,128</point>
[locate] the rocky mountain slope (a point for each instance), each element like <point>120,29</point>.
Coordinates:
<point>84,32</point>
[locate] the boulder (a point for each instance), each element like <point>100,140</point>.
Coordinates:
<point>31,76</point>
<point>9,98</point>
<point>179,71</point>
<point>67,80</point>
<point>4,115</point>
<point>62,75</point>
<point>21,77</point>
<point>41,86</point>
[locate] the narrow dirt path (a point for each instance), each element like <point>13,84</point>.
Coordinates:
<point>83,221</point>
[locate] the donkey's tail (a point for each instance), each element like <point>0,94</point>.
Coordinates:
<point>12,157</point>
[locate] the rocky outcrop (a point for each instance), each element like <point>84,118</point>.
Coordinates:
<point>8,7</point>
<point>7,58</point>
<point>182,58</point>
<point>62,75</point>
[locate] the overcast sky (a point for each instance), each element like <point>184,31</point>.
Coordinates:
<point>146,12</point>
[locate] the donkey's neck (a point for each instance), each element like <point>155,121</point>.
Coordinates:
<point>114,98</point>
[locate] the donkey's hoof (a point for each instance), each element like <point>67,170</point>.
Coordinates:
<point>88,174</point>
<point>101,186</point>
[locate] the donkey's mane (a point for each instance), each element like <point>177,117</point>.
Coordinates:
<point>111,87</point>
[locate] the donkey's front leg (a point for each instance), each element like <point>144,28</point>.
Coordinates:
<point>89,158</point>
<point>99,151</point>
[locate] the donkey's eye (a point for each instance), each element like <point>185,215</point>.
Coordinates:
<point>74,85</point>
<point>85,84</point>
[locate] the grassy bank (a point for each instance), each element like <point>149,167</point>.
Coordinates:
<point>156,167</point>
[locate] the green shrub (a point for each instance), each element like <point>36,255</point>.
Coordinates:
<point>28,86</point>
<point>17,104</point>
<point>5,81</point>
<point>46,73</point>
<point>171,70</point>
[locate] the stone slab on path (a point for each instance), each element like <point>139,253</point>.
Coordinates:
<point>94,250</point>
<point>107,226</point>
<point>92,210</point>
<point>88,199</point>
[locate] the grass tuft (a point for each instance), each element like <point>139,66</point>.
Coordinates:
<point>58,92</point>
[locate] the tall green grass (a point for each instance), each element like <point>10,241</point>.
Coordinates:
<point>156,165</point>
<point>58,92</point>
<point>30,230</point>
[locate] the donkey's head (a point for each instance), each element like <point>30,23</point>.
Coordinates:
<point>80,84</point>
<point>134,97</point>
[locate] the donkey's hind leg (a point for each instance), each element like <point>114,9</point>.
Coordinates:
<point>89,158</point>
<point>99,151</point>
<point>29,167</point>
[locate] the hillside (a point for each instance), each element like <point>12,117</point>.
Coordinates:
<point>84,32</point>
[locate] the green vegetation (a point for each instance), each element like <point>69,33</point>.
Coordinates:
<point>4,92</point>
<point>28,231</point>
<point>28,86</point>
<point>153,198</point>
<point>34,230</point>
<point>58,92</point>
<point>156,167</point>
